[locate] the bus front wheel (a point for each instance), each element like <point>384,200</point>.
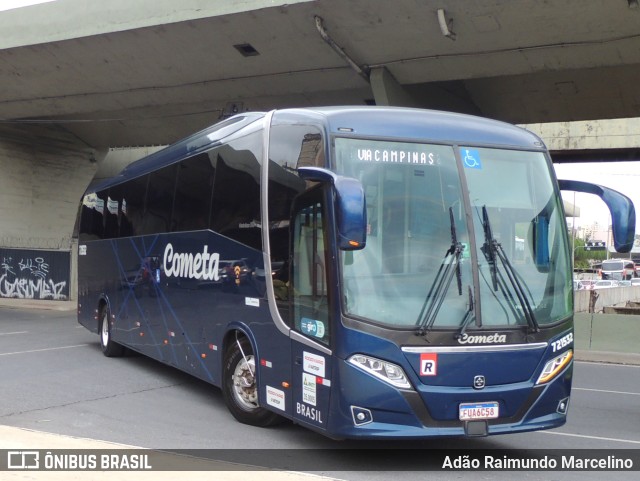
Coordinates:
<point>110,348</point>
<point>240,387</point>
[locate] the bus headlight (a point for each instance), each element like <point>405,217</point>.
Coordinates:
<point>383,370</point>
<point>554,366</point>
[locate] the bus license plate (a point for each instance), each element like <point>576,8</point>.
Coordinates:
<point>485,410</point>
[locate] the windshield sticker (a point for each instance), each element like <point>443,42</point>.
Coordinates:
<point>428,364</point>
<point>311,327</point>
<point>471,158</point>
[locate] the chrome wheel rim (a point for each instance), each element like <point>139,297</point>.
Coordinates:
<point>104,334</point>
<point>244,384</point>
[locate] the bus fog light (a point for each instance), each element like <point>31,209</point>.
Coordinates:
<point>563,406</point>
<point>361,415</point>
<point>383,370</point>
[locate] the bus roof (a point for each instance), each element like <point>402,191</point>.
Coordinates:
<point>426,125</point>
<point>384,122</point>
<point>186,147</point>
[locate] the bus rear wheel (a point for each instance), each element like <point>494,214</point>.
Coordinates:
<point>110,348</point>
<point>240,387</point>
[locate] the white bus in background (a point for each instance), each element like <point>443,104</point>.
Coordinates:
<point>617,269</point>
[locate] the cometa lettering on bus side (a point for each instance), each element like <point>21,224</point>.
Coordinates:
<point>203,265</point>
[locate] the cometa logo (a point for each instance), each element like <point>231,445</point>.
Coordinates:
<point>489,339</point>
<point>203,265</point>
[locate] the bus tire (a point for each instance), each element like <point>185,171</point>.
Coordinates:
<point>240,387</point>
<point>110,348</point>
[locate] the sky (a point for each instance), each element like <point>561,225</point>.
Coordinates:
<point>621,176</point>
<point>11,4</point>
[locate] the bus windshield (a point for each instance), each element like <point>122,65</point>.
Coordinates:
<point>411,272</point>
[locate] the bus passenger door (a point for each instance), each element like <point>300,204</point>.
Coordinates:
<point>310,311</point>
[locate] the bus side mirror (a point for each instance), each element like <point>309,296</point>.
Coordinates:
<point>541,243</point>
<point>623,214</point>
<point>349,205</point>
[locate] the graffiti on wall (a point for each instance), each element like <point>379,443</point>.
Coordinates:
<point>30,274</point>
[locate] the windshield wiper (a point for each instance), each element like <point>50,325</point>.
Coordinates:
<point>488,249</point>
<point>492,249</point>
<point>468,316</point>
<point>441,282</point>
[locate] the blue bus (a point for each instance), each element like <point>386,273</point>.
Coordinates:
<point>366,272</point>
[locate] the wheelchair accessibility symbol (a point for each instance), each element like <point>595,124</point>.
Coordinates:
<point>471,158</point>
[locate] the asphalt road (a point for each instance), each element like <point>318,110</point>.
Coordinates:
<point>55,379</point>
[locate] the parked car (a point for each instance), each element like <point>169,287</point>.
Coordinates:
<point>587,283</point>
<point>635,282</point>
<point>605,284</point>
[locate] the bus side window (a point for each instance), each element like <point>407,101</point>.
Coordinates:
<point>159,203</point>
<point>111,218</point>
<point>92,218</point>
<point>309,276</point>
<point>192,207</point>
<point>134,194</point>
<point>236,190</point>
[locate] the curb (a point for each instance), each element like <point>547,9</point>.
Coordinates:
<point>38,304</point>
<point>627,358</point>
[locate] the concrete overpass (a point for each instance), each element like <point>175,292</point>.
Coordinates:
<point>82,77</point>
<point>151,71</point>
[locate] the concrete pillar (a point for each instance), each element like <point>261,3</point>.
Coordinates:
<point>44,172</point>
<point>387,90</point>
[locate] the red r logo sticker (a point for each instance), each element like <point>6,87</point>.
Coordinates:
<point>428,364</point>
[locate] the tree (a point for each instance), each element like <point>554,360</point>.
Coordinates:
<point>582,258</point>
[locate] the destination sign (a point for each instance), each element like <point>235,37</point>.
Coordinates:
<point>396,156</point>
<point>399,153</point>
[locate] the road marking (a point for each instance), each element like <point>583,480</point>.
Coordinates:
<point>590,437</point>
<point>605,391</point>
<point>11,333</point>
<point>42,350</point>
